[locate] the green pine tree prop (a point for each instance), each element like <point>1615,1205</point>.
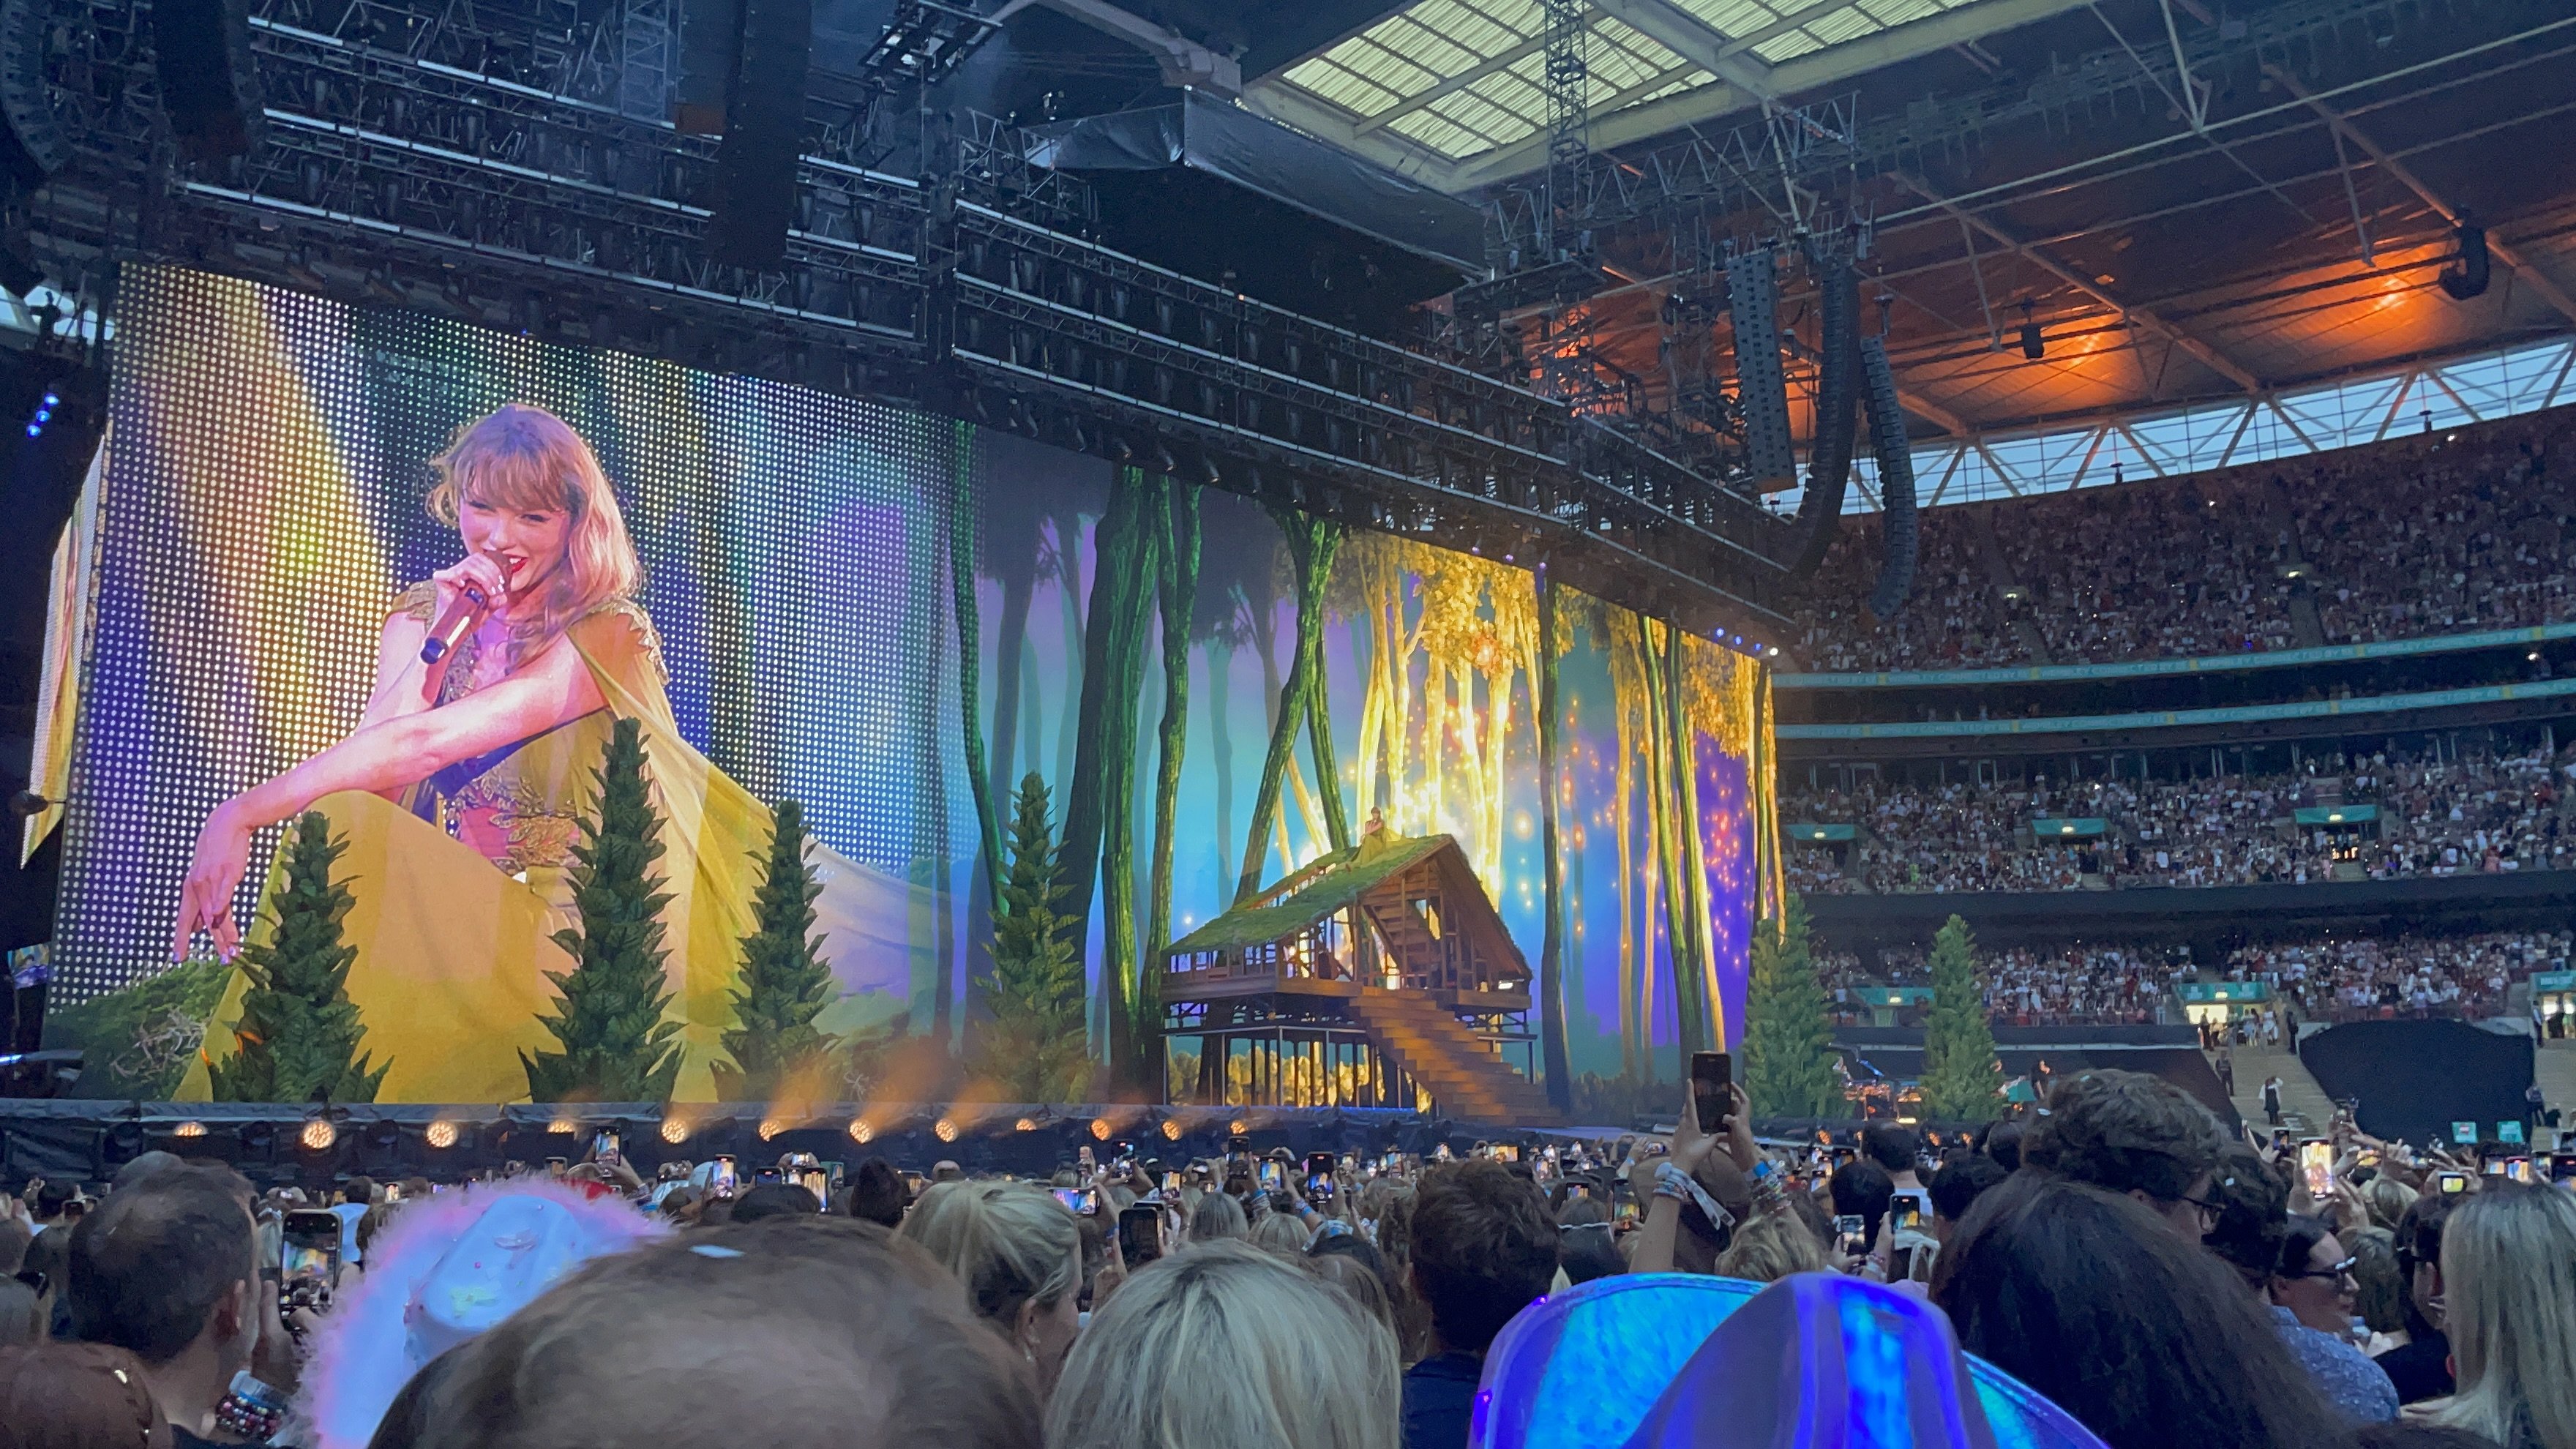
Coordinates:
<point>1961,1081</point>
<point>1033,1046</point>
<point>1788,1041</point>
<point>299,1031</point>
<point>616,1041</point>
<point>785,984</point>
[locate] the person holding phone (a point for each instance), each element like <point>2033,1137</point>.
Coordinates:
<point>1693,1198</point>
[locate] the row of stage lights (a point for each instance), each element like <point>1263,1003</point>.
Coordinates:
<point>320,1134</point>
<point>44,414</point>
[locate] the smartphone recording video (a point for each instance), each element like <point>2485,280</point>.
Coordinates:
<point>1140,1233</point>
<point>1851,1235</point>
<point>1274,1176</point>
<point>2316,1164</point>
<point>308,1258</point>
<point>1909,1212</point>
<point>1712,1073</point>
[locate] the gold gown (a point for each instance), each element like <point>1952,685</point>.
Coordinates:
<point>454,945</point>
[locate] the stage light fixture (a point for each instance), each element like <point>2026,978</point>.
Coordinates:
<point>441,1135</point>
<point>318,1134</point>
<point>1025,1124</point>
<point>2033,345</point>
<point>563,1127</point>
<point>944,1130</point>
<point>189,1129</point>
<point>862,1133</point>
<point>771,1127</point>
<point>1238,1127</point>
<point>674,1131</point>
<point>1171,1129</point>
<point>1100,1128</point>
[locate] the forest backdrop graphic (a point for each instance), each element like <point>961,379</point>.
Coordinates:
<point>1214,691</point>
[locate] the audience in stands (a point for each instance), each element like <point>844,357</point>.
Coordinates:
<point>2422,536</point>
<point>2471,813</point>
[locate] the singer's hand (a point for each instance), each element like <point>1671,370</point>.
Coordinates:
<point>214,875</point>
<point>476,570</point>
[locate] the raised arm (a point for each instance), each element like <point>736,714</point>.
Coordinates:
<point>381,756</point>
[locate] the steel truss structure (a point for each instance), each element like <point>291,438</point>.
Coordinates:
<point>506,170</point>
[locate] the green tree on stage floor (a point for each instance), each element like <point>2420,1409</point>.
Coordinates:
<point>1032,1041</point>
<point>1788,1043</point>
<point>617,1043</point>
<point>785,984</point>
<point>1961,1081</point>
<point>299,1031</point>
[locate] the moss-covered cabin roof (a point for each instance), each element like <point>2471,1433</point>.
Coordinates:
<point>1336,881</point>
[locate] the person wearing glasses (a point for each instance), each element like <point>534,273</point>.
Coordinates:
<point>2136,1135</point>
<point>2312,1295</point>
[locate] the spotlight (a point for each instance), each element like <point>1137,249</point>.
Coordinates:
<point>675,1131</point>
<point>1171,1129</point>
<point>2033,346</point>
<point>189,1129</point>
<point>563,1127</point>
<point>1025,1124</point>
<point>441,1135</point>
<point>1238,1128</point>
<point>944,1129</point>
<point>862,1133</point>
<point>771,1128</point>
<point>1100,1128</point>
<point>318,1135</point>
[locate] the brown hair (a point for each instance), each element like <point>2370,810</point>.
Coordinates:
<point>783,1331</point>
<point>1483,1247</point>
<point>523,457</point>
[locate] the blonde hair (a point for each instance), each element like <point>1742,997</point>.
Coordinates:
<point>1225,1346</point>
<point>1770,1248</point>
<point>1282,1233</point>
<point>1218,1216</point>
<point>1009,1242</point>
<point>2386,1200</point>
<point>522,457</point>
<point>2509,1278</point>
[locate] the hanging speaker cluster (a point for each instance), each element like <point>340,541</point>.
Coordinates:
<point>2466,277</point>
<point>1829,455</point>
<point>1761,387</point>
<point>1895,480</point>
<point>742,75</point>
<point>209,92</point>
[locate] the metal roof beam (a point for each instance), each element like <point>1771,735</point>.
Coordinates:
<point>1694,40</point>
<point>1185,62</point>
<point>2207,355</point>
<point>2523,267</point>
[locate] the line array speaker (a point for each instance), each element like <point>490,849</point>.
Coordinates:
<point>1895,480</point>
<point>33,146</point>
<point>764,134</point>
<point>1829,455</point>
<point>1761,388</point>
<point>209,91</point>
<point>710,54</point>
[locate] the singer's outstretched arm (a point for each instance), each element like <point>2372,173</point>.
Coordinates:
<point>383,755</point>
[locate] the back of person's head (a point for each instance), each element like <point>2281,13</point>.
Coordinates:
<point>2253,1215</point>
<point>77,1396</point>
<point>1224,1346</point>
<point>150,1268</point>
<point>2379,1293</point>
<point>2386,1200</point>
<point>1891,1145</point>
<point>1959,1182</point>
<point>2143,1337</point>
<point>144,1165</point>
<point>2418,1247</point>
<point>776,1200</point>
<point>1861,1189</point>
<point>2509,1280</point>
<point>1579,1212</point>
<point>1365,1287</point>
<point>1770,1248</point>
<point>1588,1251</point>
<point>14,1238</point>
<point>52,1197</point>
<point>1282,1233</point>
<point>877,1194</point>
<point>2125,1132</point>
<point>1009,1242</point>
<point>21,1315</point>
<point>1217,1218</point>
<point>2001,1140</point>
<point>359,1189</point>
<point>776,1332</point>
<point>1483,1247</point>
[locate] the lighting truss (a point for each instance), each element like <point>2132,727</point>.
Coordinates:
<point>512,175</point>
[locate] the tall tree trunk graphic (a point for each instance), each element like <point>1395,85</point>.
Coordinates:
<point>1178,586</point>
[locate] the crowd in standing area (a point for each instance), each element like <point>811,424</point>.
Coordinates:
<point>1352,1300</point>
<point>2438,534</point>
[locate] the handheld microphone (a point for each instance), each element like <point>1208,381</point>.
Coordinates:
<point>460,620</point>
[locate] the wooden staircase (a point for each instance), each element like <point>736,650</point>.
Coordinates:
<point>1460,1069</point>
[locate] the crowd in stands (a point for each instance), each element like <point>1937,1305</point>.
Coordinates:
<point>2419,536</point>
<point>2327,979</point>
<point>2474,811</point>
<point>2367,976</point>
<point>2151,1281</point>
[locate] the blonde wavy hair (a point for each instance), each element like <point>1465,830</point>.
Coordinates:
<point>1226,1346</point>
<point>522,457</point>
<point>1009,1242</point>
<point>2509,1280</point>
<point>1770,1248</point>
